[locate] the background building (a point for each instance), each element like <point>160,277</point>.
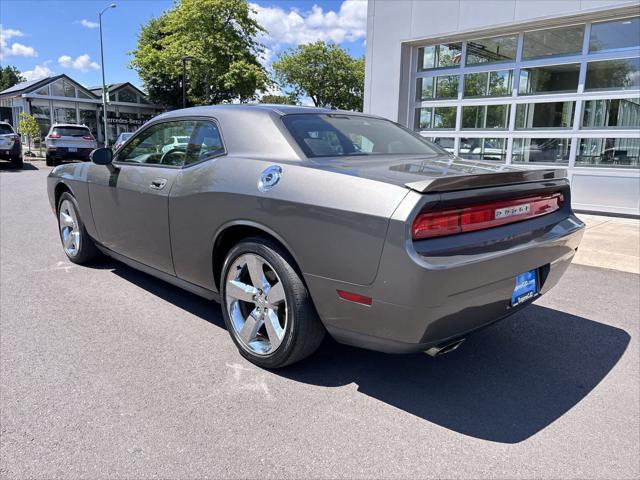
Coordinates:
<point>61,99</point>
<point>531,82</point>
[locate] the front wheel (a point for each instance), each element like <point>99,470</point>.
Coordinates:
<point>266,306</point>
<point>76,242</point>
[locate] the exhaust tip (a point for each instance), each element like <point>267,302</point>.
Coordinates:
<point>444,348</point>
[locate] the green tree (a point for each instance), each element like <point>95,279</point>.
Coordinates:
<point>219,37</point>
<point>28,126</point>
<point>279,99</point>
<point>325,73</point>
<point>9,76</point>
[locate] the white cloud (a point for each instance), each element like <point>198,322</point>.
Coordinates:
<point>38,72</point>
<point>82,63</point>
<point>14,49</point>
<point>295,27</point>
<point>88,23</point>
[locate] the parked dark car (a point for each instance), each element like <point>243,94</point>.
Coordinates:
<point>303,221</point>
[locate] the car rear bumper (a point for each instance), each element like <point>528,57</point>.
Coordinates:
<point>12,152</point>
<point>429,294</point>
<point>63,153</point>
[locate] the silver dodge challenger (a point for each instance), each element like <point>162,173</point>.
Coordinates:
<point>301,221</point>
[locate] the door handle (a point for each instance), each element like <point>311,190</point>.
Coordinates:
<point>158,183</point>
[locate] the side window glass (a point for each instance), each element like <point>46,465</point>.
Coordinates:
<point>164,144</point>
<point>205,142</point>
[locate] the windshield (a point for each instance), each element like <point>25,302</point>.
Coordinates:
<point>330,135</point>
<point>72,131</point>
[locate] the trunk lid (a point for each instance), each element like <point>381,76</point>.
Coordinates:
<point>436,173</point>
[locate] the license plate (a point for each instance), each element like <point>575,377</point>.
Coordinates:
<point>512,211</point>
<point>526,287</point>
<point>73,149</point>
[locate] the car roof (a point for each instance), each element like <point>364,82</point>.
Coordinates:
<point>68,125</point>
<point>281,110</point>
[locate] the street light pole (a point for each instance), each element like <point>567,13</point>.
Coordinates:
<point>104,86</point>
<point>184,80</point>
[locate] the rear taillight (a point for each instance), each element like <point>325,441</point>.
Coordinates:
<point>54,135</point>
<point>88,137</point>
<point>439,223</point>
<point>14,138</point>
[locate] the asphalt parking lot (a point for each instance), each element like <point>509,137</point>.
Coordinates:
<point>109,373</point>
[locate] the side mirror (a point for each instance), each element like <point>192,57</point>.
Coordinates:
<point>101,156</point>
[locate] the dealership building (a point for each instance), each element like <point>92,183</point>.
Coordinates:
<point>60,99</point>
<point>536,83</point>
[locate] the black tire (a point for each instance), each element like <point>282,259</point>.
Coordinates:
<point>88,250</point>
<point>49,161</point>
<point>17,162</point>
<point>304,331</point>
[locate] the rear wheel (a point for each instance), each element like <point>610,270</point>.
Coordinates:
<point>49,161</point>
<point>76,243</point>
<point>266,306</point>
<point>17,162</point>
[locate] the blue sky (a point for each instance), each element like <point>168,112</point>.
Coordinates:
<point>47,37</point>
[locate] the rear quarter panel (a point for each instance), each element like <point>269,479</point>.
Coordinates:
<point>333,224</point>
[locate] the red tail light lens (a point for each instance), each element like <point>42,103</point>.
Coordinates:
<point>88,137</point>
<point>54,135</point>
<point>486,215</point>
<point>354,297</point>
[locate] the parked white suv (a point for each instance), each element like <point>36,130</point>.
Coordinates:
<point>69,142</point>
<point>10,145</point>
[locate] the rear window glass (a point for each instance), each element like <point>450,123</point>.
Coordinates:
<point>331,135</point>
<point>5,129</point>
<point>71,131</point>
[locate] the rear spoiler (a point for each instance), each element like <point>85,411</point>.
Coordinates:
<point>483,180</point>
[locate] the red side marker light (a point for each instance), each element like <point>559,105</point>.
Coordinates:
<point>354,297</point>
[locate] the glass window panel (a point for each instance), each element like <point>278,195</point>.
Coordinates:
<point>81,94</point>
<point>494,149</point>
<point>444,117</point>
<point>68,89</point>
<point>616,113</point>
<point>552,78</point>
<point>42,91</point>
<point>423,118</point>
<point>488,84</point>
<point>616,35</point>
<point>485,116</point>
<point>42,114</point>
<point>447,143</point>
<point>128,96</point>
<point>64,114</point>
<point>89,117</point>
<point>541,150</point>
<point>424,88</point>
<point>447,86</point>
<point>545,115</point>
<point>440,56</point>
<point>144,100</point>
<point>491,50</point>
<point>609,152</point>
<point>613,74</point>
<point>57,89</point>
<point>553,42</point>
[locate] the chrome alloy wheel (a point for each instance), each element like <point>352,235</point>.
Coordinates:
<point>69,228</point>
<point>256,303</point>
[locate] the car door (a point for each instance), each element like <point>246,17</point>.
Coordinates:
<point>130,201</point>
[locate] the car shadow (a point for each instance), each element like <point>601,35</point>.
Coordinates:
<point>8,167</point>
<point>504,384</point>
